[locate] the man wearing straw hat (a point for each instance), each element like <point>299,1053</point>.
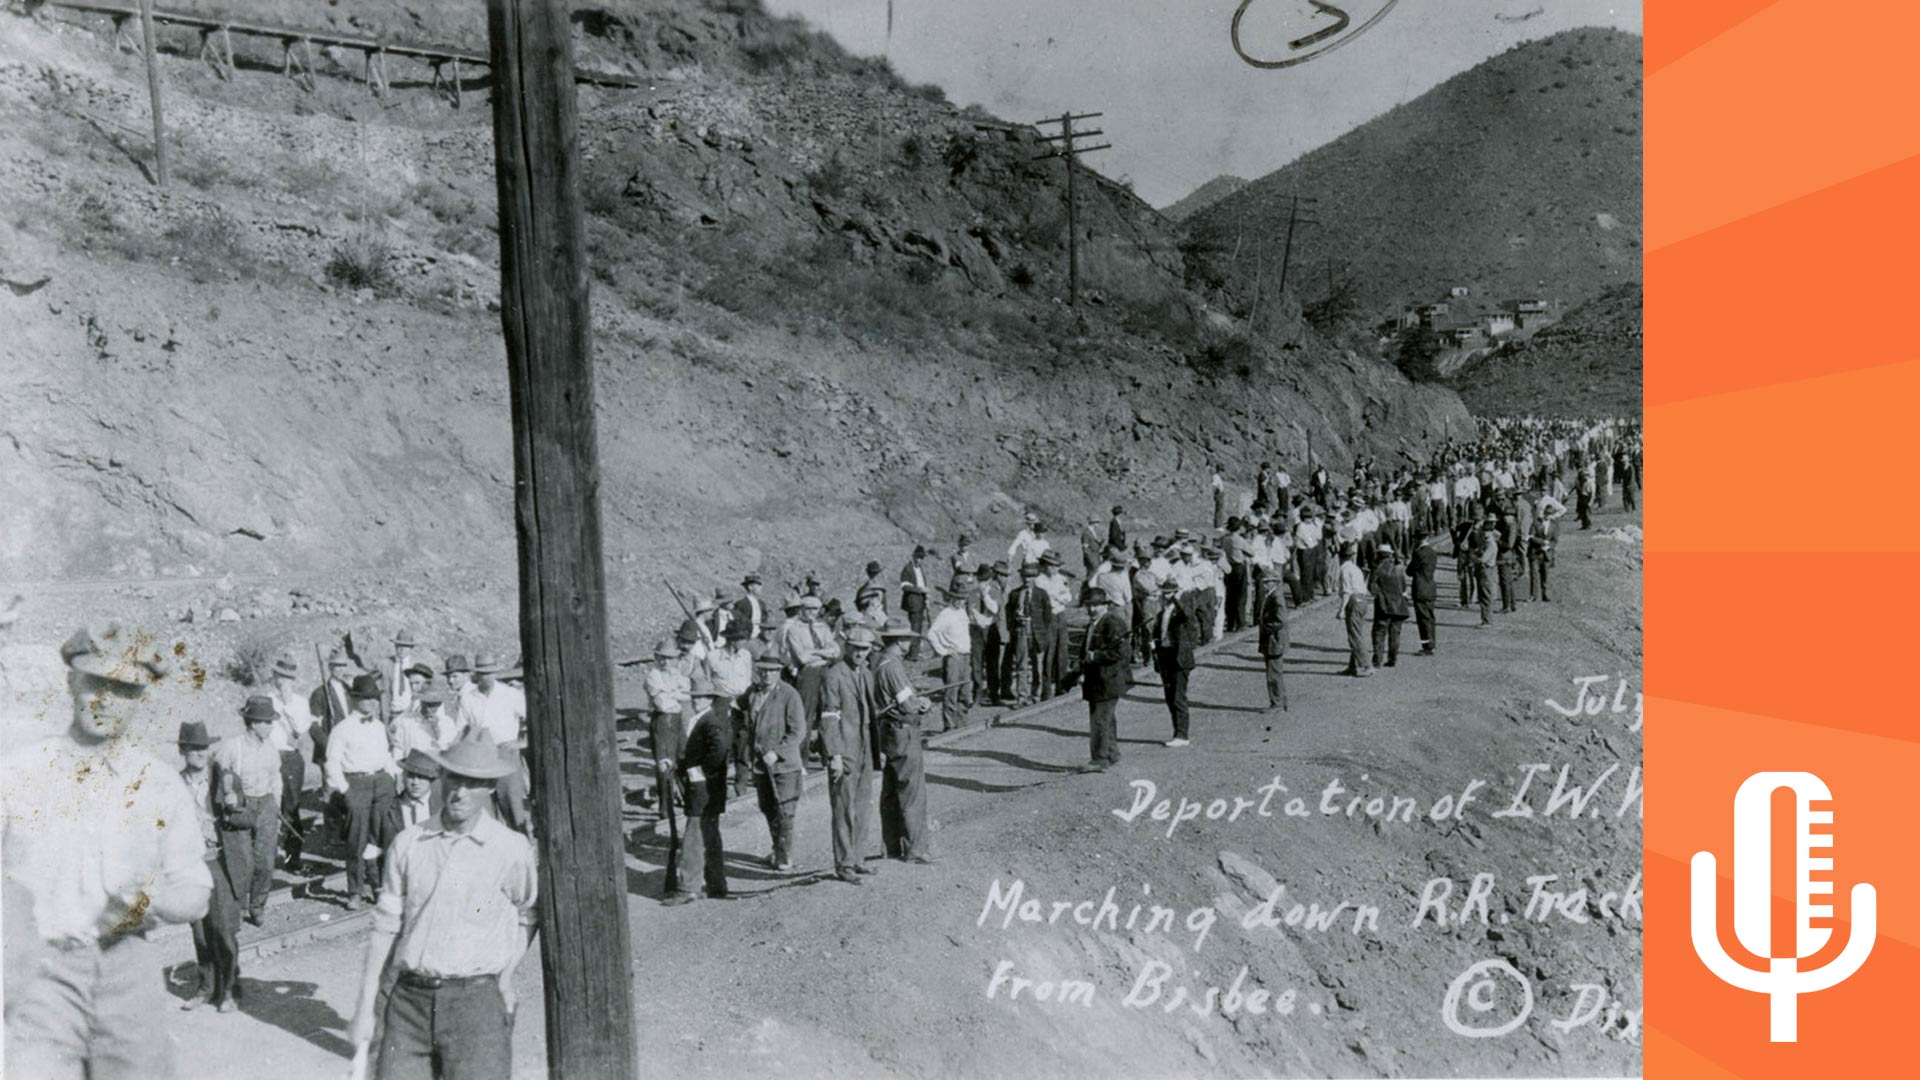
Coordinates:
<point>777,723</point>
<point>248,796</point>
<point>952,641</point>
<point>82,890</point>
<point>698,767</point>
<point>846,737</point>
<point>903,782</point>
<point>455,917</point>
<point>293,721</point>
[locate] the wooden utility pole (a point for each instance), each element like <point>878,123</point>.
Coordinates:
<point>1071,153</point>
<point>1293,219</point>
<point>153,92</point>
<point>585,951</point>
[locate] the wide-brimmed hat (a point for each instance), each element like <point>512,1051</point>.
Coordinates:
<point>667,649</point>
<point>768,661</point>
<point>1032,518</point>
<point>1029,569</point>
<point>750,579</point>
<point>738,630</point>
<point>364,688</point>
<point>793,602</point>
<point>193,735</point>
<point>455,664</point>
<point>420,763</point>
<point>1049,558</point>
<point>259,707</point>
<point>1170,585</point>
<point>477,760</point>
<point>431,694</point>
<point>861,637</point>
<point>705,603</point>
<point>1181,536</point>
<point>1383,548</point>
<point>339,659</point>
<point>285,665</point>
<point>812,603</point>
<point>702,686</point>
<point>919,551</point>
<point>898,627</point>
<point>404,640</point>
<point>1098,595</point>
<point>873,568</point>
<point>419,669</point>
<point>486,664</point>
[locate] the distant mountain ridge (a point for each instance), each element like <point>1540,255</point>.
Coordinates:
<point>1204,196</point>
<point>1518,177</point>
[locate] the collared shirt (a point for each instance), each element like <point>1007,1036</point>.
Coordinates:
<point>1550,507</point>
<point>84,826</point>
<point>1437,491</point>
<point>1057,588</point>
<point>430,731</point>
<point>249,767</point>
<point>200,789</point>
<point>499,715</point>
<point>1306,535</point>
<point>732,671</point>
<point>949,635</point>
<point>459,903</point>
<point>397,678</point>
<point>358,745</point>
<point>807,644</point>
<point>291,717</point>
<point>1114,580</point>
<point>414,811</point>
<point>1281,480</point>
<point>667,689</point>
<point>1352,581</point>
<point>1161,568</point>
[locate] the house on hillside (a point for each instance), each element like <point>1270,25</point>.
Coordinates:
<point>1461,334</point>
<point>1530,311</point>
<point>1431,315</point>
<point>1500,323</point>
<point>1459,292</point>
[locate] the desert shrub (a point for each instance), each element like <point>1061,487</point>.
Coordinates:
<point>931,92</point>
<point>362,261</point>
<point>250,662</point>
<point>1415,351</point>
<point>960,155</point>
<point>1021,275</point>
<point>833,179</point>
<point>1224,352</point>
<point>913,149</point>
<point>602,195</point>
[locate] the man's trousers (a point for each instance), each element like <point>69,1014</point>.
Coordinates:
<point>1103,739</point>
<point>850,797</point>
<point>369,806</point>
<point>1173,681</point>
<point>248,853</point>
<point>1386,638</point>
<point>457,1030</point>
<point>1357,643</point>
<point>701,852</point>
<point>959,694</point>
<point>903,799</point>
<point>779,796</point>
<point>1424,621</point>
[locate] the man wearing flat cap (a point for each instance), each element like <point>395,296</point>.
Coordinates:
<point>847,736</point>
<point>362,776</point>
<point>777,722</point>
<point>82,890</point>
<point>455,916</point>
<point>420,774</point>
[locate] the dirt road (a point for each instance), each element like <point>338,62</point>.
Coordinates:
<point>803,975</point>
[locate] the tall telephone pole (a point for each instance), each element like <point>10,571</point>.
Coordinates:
<point>1071,153</point>
<point>585,951</point>
<point>1293,219</point>
<point>153,92</point>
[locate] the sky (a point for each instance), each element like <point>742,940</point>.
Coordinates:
<point>1180,107</point>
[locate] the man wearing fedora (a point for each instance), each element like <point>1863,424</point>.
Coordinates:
<point>1176,634</point>
<point>750,610</point>
<point>455,917</point>
<point>293,721</point>
<point>1271,620</point>
<point>952,641</point>
<point>1388,583</point>
<point>497,713</point>
<point>776,722</point>
<point>248,798</point>
<point>216,938</point>
<point>1029,615</point>
<point>809,649</point>
<point>1054,580</point>
<point>1106,670</point>
<point>83,890</point>
<point>846,738</point>
<point>331,701</point>
<point>898,710</point>
<point>913,595</point>
<point>700,769</point>
<point>399,688</point>
<point>361,775</point>
<point>419,800</point>
<point>425,725</point>
<point>730,668</point>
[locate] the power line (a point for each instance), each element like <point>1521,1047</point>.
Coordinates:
<point>1071,153</point>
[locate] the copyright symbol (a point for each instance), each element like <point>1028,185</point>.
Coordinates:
<point>1480,985</point>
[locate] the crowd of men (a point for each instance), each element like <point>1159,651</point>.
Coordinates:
<point>424,778</point>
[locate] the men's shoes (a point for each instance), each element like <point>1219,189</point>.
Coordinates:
<point>228,1006</point>
<point>1426,652</point>
<point>863,868</point>
<point>355,903</point>
<point>848,876</point>
<point>194,1002</point>
<point>256,918</point>
<point>1092,767</point>
<point>1177,743</point>
<point>676,899</point>
<point>920,860</point>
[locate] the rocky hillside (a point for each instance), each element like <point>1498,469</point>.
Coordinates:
<point>1204,196</point>
<point>829,322</point>
<point>1520,176</point>
<point>1584,365</point>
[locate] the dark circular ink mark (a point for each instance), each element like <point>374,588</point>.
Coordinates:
<point>1340,32</point>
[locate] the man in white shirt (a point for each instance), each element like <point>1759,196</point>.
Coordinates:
<point>1023,547</point>
<point>952,640</point>
<point>1219,485</point>
<point>362,775</point>
<point>399,688</point>
<point>1307,536</point>
<point>1355,601</point>
<point>292,722</point>
<point>1054,581</point>
<point>425,727</point>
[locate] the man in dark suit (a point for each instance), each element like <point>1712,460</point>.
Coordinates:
<point>1116,534</point>
<point>1175,635</point>
<point>1425,568</point>
<point>1029,614</point>
<point>750,610</point>
<point>1272,621</point>
<point>1389,588</point>
<point>1105,673</point>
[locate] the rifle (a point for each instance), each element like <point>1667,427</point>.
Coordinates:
<point>697,624</point>
<point>930,693</point>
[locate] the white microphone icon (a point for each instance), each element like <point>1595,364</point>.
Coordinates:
<point>1752,900</point>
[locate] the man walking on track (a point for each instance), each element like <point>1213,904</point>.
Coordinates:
<point>903,783</point>
<point>1176,634</point>
<point>1105,673</point>
<point>847,736</point>
<point>247,778</point>
<point>456,915</point>
<point>1272,620</point>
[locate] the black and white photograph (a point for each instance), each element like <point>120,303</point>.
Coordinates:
<point>820,538</point>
